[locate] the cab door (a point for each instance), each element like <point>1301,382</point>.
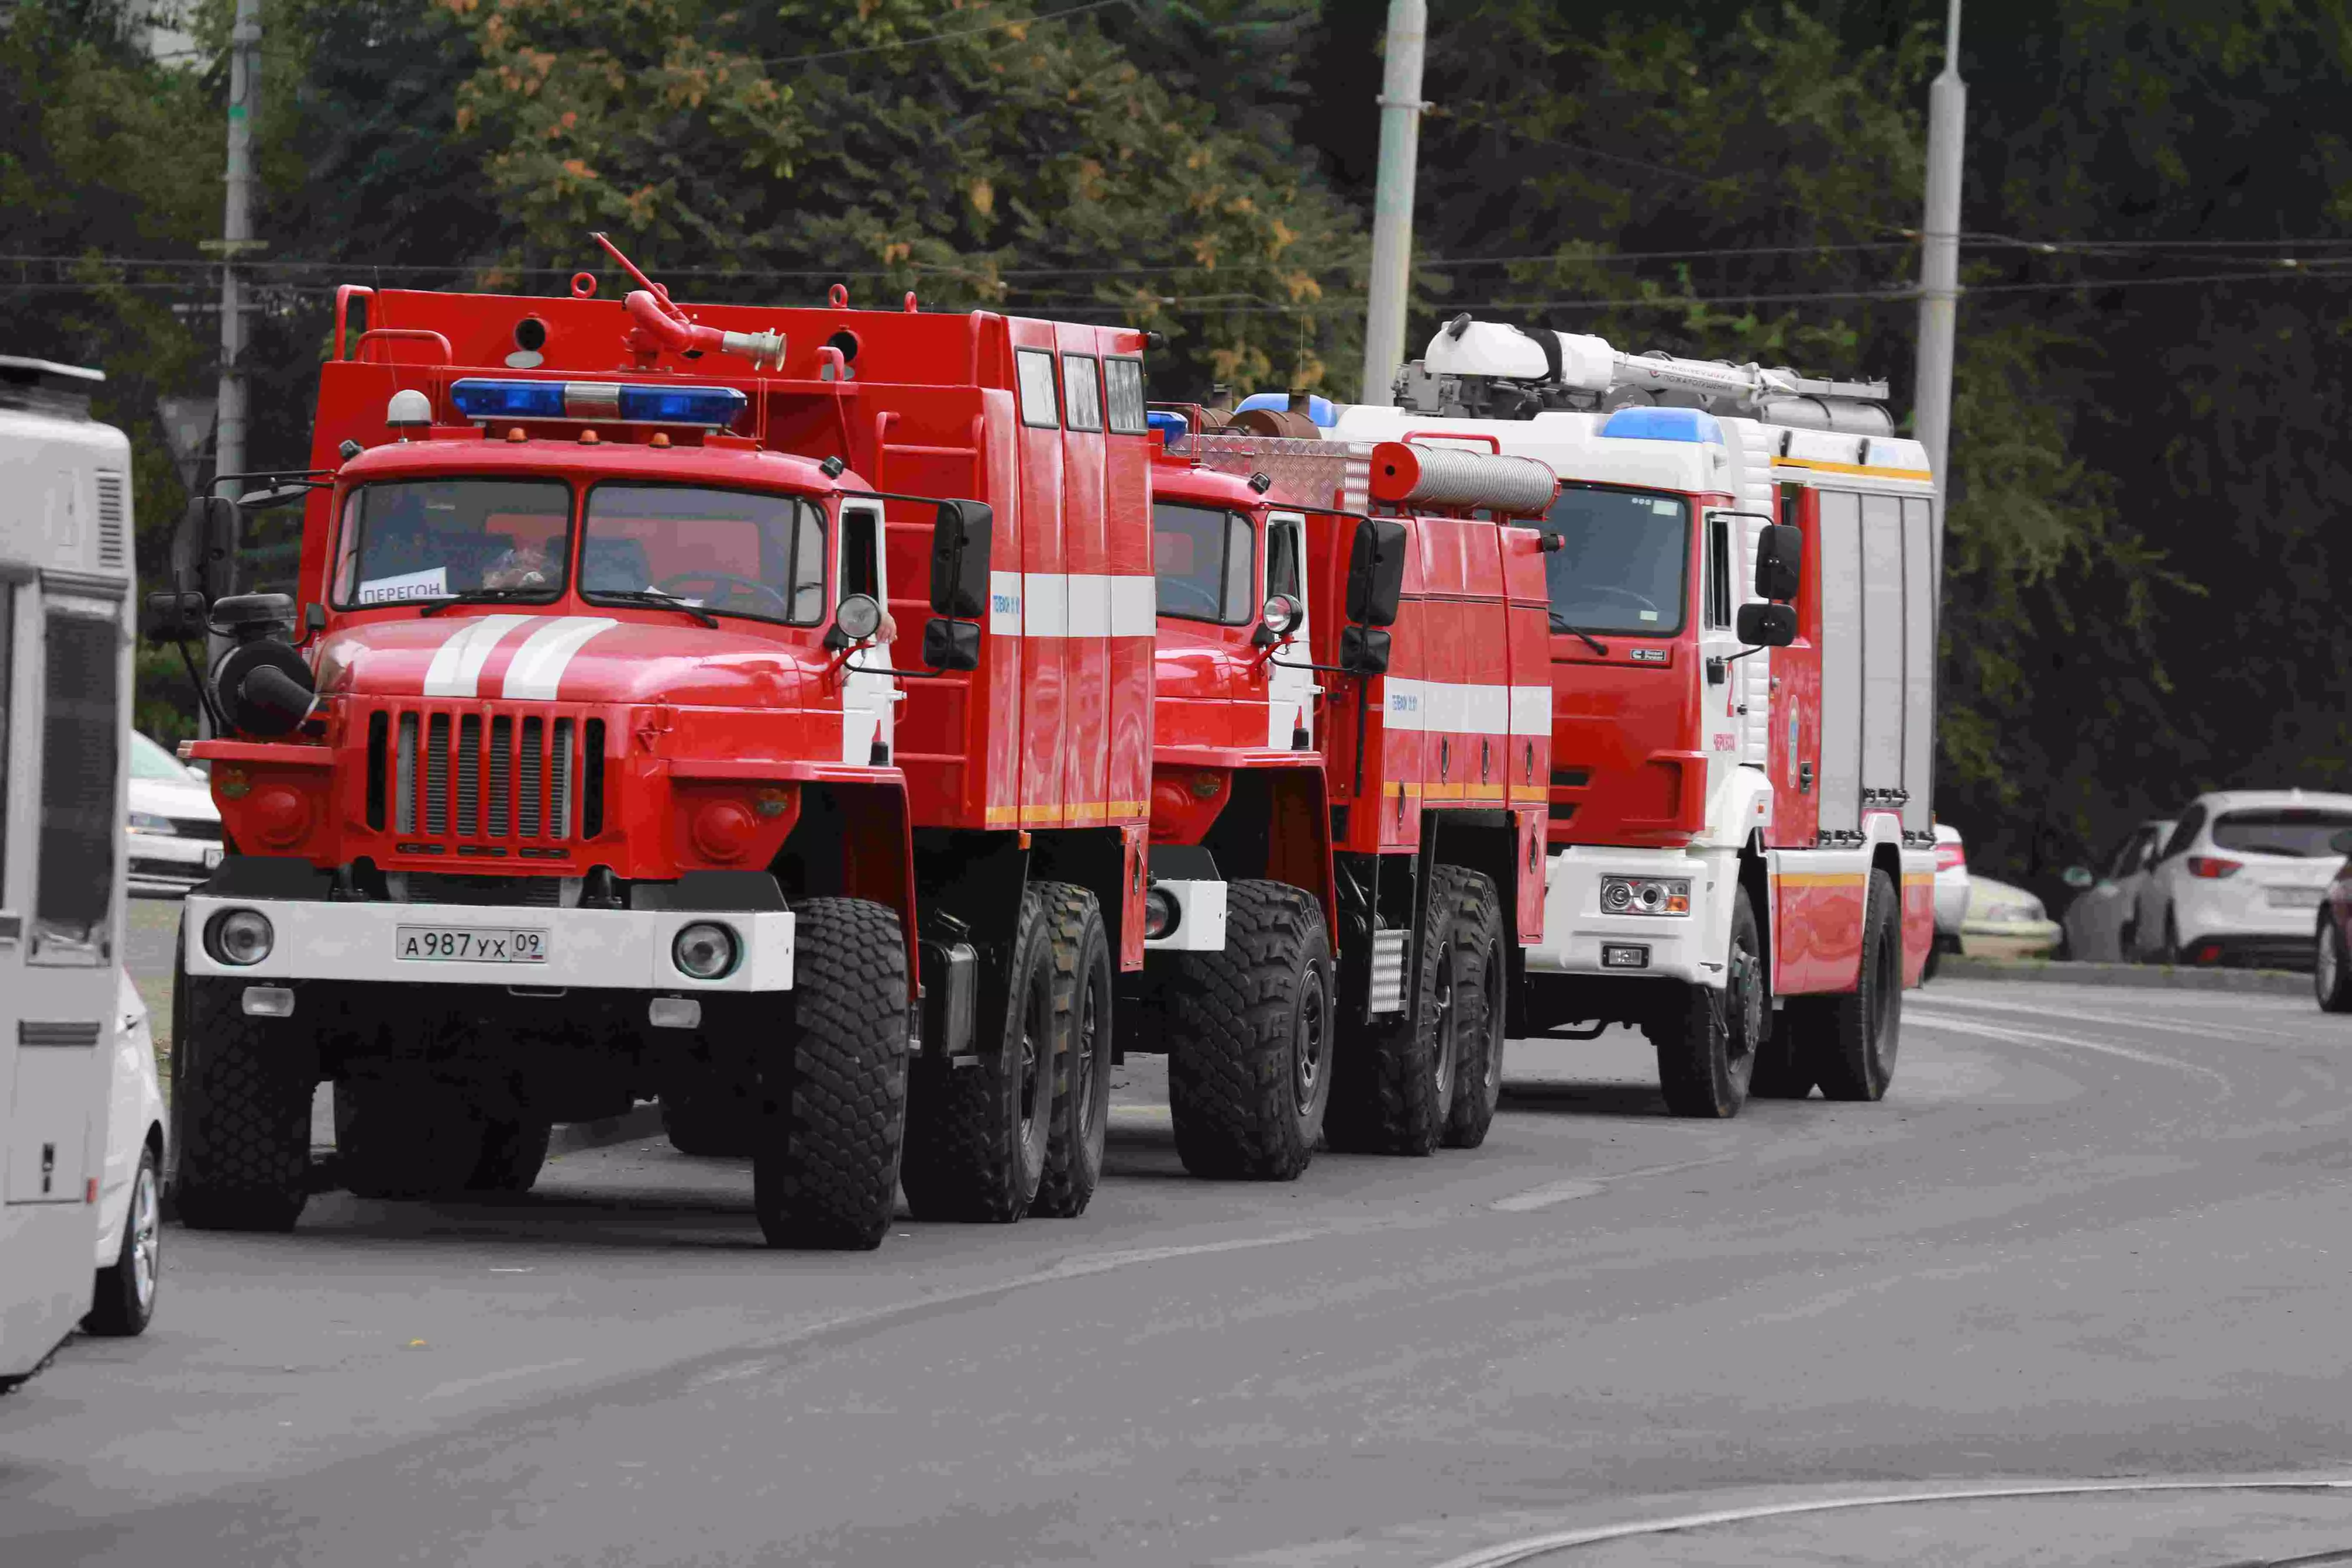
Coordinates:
<point>869,693</point>
<point>1291,689</point>
<point>1721,533</point>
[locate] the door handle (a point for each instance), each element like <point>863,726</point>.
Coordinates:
<point>1804,778</point>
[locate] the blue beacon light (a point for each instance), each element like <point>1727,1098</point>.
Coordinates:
<point>1645,422</point>
<point>479,399</point>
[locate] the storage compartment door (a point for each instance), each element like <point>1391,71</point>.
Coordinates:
<point>1842,594</point>
<point>1883,645</point>
<point>1922,619</point>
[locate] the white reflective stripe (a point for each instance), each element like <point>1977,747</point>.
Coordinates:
<point>1134,607</point>
<point>1004,604</point>
<point>1468,707</point>
<point>1530,710</point>
<point>539,665</point>
<point>1089,604</point>
<point>1045,604</point>
<point>457,663</point>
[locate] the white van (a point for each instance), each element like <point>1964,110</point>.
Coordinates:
<point>65,679</point>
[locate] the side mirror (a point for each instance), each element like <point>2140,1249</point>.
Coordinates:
<point>2341,841</point>
<point>2078,877</point>
<point>203,548</point>
<point>1364,650</point>
<point>960,561</point>
<point>1766,625</point>
<point>1779,552</point>
<point>951,645</point>
<point>1376,571</point>
<point>172,617</point>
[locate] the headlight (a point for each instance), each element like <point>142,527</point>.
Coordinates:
<point>1162,914</point>
<point>239,937</point>
<point>147,822</point>
<point>706,951</point>
<point>1645,895</point>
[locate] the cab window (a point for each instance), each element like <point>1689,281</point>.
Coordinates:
<point>1623,560</point>
<point>1201,556</point>
<point>428,539</point>
<point>750,554</point>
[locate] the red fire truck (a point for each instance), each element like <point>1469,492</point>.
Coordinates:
<point>1351,743</point>
<point>1742,648</point>
<point>589,768</point>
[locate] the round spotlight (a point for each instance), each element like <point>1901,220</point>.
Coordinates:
<point>240,937</point>
<point>705,951</point>
<point>1160,914</point>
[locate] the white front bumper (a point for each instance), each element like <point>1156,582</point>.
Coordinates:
<point>605,949</point>
<point>1677,947</point>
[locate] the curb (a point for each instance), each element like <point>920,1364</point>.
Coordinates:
<point>2139,976</point>
<point>641,1120</point>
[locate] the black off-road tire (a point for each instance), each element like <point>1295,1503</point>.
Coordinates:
<point>1478,913</point>
<point>242,1109</point>
<point>977,1135</point>
<point>513,1154</point>
<point>716,1122</point>
<point>833,1082</point>
<point>1706,1045</point>
<point>1249,1036</point>
<point>1851,1040</point>
<point>1083,1007</point>
<point>2331,969</point>
<point>124,1301</point>
<point>406,1137</point>
<point>1394,1093</point>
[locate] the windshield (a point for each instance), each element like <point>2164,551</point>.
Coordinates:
<point>428,539</point>
<point>2299,831</point>
<point>733,553</point>
<point>151,761</point>
<point>1201,556</point>
<point>1620,562</point>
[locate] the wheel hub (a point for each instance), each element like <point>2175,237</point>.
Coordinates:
<point>1306,1044</point>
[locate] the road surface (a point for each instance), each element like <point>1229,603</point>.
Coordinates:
<point>2092,1237</point>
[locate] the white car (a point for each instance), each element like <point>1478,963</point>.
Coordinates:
<point>2240,879</point>
<point>2099,920</point>
<point>173,829</point>
<point>130,1253</point>
<point>2007,922</point>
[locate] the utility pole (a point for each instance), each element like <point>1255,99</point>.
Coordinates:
<point>1400,109</point>
<point>1939,263</point>
<point>236,241</point>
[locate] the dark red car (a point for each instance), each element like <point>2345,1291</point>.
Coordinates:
<point>2331,972</point>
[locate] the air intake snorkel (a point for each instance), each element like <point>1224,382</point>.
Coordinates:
<point>261,687</point>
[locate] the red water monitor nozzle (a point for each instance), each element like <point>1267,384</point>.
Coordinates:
<point>661,324</point>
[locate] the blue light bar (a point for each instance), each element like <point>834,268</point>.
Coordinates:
<point>1643,423</point>
<point>1173,427</point>
<point>1321,410</point>
<point>479,399</point>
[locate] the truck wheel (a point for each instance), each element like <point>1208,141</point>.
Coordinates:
<point>2331,974</point>
<point>404,1137</point>
<point>244,1110</point>
<point>1082,1001</point>
<point>1249,1038</point>
<point>513,1154</point>
<point>1479,1002</point>
<point>1853,1037</point>
<point>1706,1045</point>
<point>1395,1095</point>
<point>124,1301</point>
<point>716,1123</point>
<point>977,1134</point>
<point>832,1083</point>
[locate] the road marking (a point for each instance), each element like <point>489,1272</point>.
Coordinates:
<point>1514,1551</point>
<point>1543,1197</point>
<point>2117,1020</point>
<point>2076,1042</point>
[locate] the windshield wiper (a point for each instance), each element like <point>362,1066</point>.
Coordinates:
<point>657,600</point>
<point>482,596</point>
<point>1595,644</point>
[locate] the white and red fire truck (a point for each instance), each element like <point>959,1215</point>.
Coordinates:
<point>1743,636</point>
<point>587,769</point>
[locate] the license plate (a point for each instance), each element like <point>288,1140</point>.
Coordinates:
<point>468,944</point>
<point>2297,898</point>
<point>212,856</point>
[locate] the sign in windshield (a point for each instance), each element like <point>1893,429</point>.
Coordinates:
<point>1622,563</point>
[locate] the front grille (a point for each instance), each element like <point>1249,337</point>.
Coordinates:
<point>442,888</point>
<point>481,785</point>
<point>205,828</point>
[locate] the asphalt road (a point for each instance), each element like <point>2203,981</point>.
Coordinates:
<point>2093,1237</point>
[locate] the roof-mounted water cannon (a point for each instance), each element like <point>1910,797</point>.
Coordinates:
<point>661,324</point>
<point>1449,479</point>
<point>1498,369</point>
